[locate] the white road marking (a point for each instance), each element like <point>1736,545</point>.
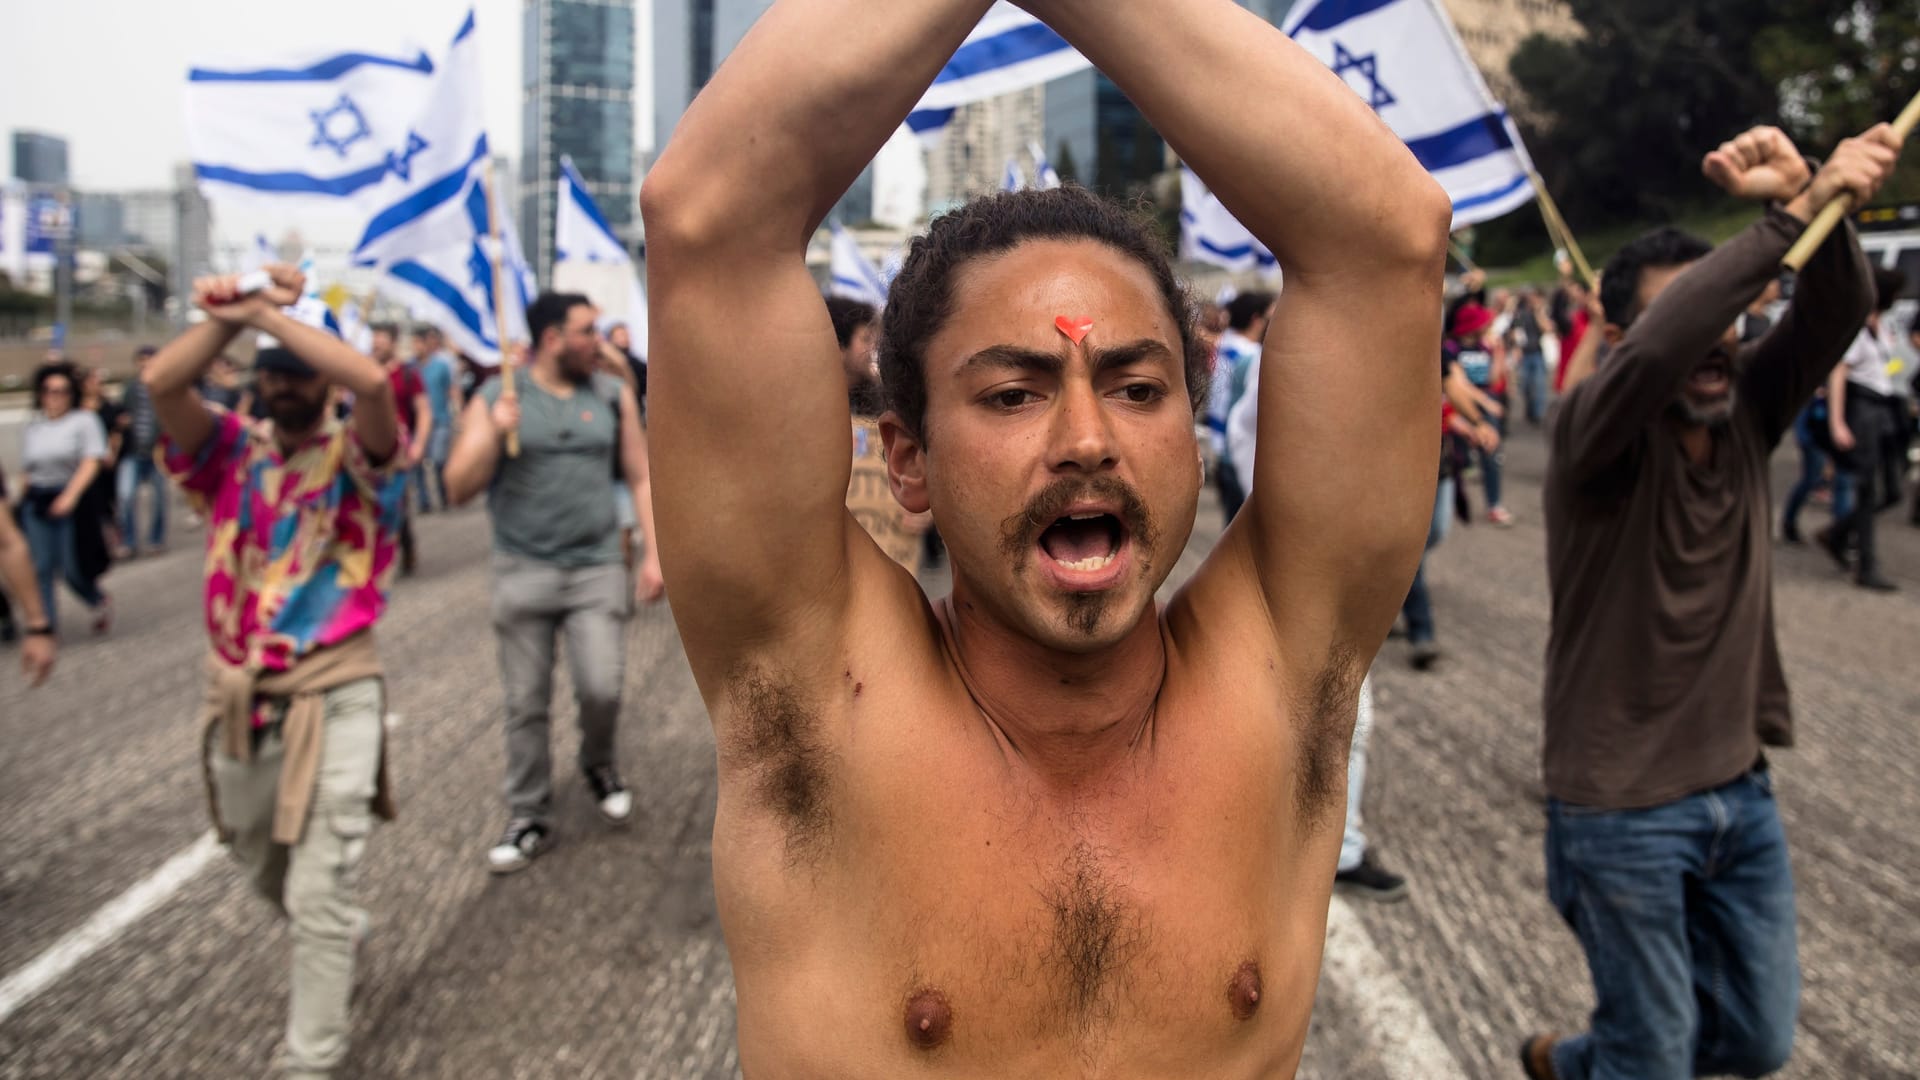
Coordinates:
<point>1392,1020</point>
<point>123,911</point>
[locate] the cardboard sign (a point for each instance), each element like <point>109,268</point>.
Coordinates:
<point>870,500</point>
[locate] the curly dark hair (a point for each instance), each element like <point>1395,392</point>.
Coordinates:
<point>1620,282</point>
<point>55,369</point>
<point>921,299</point>
<point>848,316</point>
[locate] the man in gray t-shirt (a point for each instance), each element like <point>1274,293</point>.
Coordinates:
<point>557,558</point>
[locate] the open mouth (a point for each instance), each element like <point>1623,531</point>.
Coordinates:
<point>1714,376</point>
<point>1084,541</point>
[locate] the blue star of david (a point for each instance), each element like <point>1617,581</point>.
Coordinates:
<point>401,161</point>
<point>480,274</point>
<point>1368,66</point>
<point>339,126</point>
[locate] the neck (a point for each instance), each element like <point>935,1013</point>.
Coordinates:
<point>546,371</point>
<point>290,441</point>
<point>1696,441</point>
<point>1070,717</point>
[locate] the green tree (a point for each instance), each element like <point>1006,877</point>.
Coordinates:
<point>1064,164</point>
<point>1626,109</point>
<point>1841,68</point>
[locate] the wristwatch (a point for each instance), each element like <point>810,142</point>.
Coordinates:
<point>39,631</point>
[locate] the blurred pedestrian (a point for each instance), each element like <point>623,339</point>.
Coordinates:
<point>137,468</point>
<point>1866,418</point>
<point>557,563</point>
<point>416,424</point>
<point>441,384</point>
<point>38,649</point>
<point>63,449</point>
<point>301,514</point>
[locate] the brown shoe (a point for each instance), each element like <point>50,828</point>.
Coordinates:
<point>1536,1057</point>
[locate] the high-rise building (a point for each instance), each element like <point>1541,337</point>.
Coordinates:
<point>577,78</point>
<point>99,220</point>
<point>149,220</point>
<point>690,39</point>
<point>193,227</point>
<point>40,158</point>
<point>971,155</point>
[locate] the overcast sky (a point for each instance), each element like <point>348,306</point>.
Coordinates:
<point>109,75</point>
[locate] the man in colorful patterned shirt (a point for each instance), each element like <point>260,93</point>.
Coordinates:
<point>301,515</point>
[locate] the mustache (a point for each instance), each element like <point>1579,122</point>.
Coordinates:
<point>1019,531</point>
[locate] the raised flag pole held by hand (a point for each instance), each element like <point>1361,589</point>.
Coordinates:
<point>1829,216</point>
<point>1557,229</point>
<point>507,389</point>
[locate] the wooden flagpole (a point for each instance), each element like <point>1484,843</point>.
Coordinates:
<point>507,390</point>
<point>1460,256</point>
<point>1557,229</point>
<point>1829,216</point>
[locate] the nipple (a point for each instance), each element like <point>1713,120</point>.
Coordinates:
<point>929,1019</point>
<point>1243,991</point>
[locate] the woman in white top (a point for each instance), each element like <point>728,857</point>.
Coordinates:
<point>64,449</point>
<point>1864,418</point>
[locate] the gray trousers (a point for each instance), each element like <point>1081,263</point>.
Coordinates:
<point>532,602</point>
<point>1353,844</point>
<point>313,882</point>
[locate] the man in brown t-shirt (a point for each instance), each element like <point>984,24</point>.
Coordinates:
<point>1664,848</point>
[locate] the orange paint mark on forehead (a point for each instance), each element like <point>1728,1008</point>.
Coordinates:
<point>1076,327</point>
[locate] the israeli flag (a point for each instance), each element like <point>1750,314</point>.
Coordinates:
<point>1044,177</point>
<point>310,128</point>
<point>1404,58</point>
<point>1010,50</point>
<point>1209,233</point>
<point>452,285</point>
<point>581,235</point>
<point>853,275</point>
<point>1011,180</point>
<point>260,254</point>
<point>446,147</point>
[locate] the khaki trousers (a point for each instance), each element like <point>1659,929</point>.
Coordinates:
<point>313,882</point>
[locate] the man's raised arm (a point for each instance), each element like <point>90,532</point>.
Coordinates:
<point>1349,387</point>
<point>748,425</point>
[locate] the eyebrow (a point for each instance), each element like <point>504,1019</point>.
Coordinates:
<point>1015,358</point>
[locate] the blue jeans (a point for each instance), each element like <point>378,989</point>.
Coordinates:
<point>1417,609</point>
<point>135,470</point>
<point>54,559</point>
<point>1491,462</point>
<point>1533,385</point>
<point>1813,470</point>
<point>433,466</point>
<point>1685,912</point>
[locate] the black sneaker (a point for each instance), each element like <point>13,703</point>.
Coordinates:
<point>523,840</point>
<point>1423,655</point>
<point>1876,581</point>
<point>1371,881</point>
<point>610,793</point>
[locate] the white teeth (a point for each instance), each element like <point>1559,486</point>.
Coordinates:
<point>1091,562</point>
<point>1085,517</point>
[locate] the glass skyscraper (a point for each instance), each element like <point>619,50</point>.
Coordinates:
<point>577,83</point>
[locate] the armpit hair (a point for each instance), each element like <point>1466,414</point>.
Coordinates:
<point>775,737</point>
<point>1324,712</point>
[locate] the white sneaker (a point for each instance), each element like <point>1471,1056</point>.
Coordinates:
<point>522,841</point>
<point>610,794</point>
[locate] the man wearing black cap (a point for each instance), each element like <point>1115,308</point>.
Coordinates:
<point>302,512</point>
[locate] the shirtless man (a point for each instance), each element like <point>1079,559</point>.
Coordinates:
<point>1045,828</point>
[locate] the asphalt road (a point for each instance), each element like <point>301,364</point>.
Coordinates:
<point>605,959</point>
